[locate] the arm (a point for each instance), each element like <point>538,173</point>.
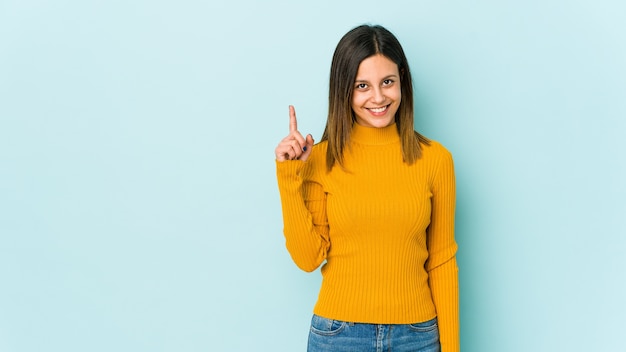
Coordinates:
<point>441,265</point>
<point>304,215</point>
<point>303,203</point>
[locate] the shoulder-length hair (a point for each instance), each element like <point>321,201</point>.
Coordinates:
<point>355,46</point>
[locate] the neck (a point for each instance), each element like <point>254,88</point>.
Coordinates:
<point>373,135</point>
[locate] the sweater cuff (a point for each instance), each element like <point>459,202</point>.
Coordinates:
<point>445,290</point>
<point>288,168</point>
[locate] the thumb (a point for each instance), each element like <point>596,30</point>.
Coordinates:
<point>308,147</point>
<point>309,141</point>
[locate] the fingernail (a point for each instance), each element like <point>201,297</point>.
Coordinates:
<point>304,149</point>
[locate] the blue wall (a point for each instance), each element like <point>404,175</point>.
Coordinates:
<point>138,203</point>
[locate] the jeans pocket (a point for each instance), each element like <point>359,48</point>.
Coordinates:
<point>426,326</point>
<point>326,327</point>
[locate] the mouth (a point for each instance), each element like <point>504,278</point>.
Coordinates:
<point>380,110</point>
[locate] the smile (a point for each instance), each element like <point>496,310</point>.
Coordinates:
<point>378,110</point>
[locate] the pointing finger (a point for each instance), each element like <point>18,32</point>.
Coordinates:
<point>293,123</point>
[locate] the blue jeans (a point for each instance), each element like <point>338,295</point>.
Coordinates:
<point>329,335</point>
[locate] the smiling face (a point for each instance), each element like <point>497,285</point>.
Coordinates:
<point>377,94</point>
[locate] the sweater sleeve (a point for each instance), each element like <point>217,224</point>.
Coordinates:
<point>304,215</point>
<point>441,265</point>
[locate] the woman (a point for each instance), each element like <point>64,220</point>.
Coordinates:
<point>374,201</point>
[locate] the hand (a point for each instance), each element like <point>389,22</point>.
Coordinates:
<point>294,146</point>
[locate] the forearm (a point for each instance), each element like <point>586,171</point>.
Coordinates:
<point>306,237</point>
<point>445,292</point>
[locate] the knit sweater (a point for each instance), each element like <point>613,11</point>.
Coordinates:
<point>383,230</point>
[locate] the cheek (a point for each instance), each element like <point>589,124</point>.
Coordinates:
<point>397,95</point>
<point>357,101</point>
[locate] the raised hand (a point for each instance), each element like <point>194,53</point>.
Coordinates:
<point>294,146</point>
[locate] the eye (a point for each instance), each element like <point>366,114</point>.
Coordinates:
<point>361,86</point>
<point>388,82</point>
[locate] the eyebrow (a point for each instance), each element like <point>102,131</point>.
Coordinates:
<point>384,78</point>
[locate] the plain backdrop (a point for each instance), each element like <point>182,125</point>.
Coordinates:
<point>138,202</point>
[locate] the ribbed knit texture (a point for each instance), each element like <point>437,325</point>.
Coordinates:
<point>385,230</point>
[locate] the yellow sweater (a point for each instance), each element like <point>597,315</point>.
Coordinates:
<point>385,230</point>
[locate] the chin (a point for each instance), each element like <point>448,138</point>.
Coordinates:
<point>375,121</point>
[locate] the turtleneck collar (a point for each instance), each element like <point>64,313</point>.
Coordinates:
<point>374,135</point>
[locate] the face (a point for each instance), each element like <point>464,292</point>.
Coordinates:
<point>376,96</point>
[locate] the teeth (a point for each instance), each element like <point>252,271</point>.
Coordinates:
<point>379,109</point>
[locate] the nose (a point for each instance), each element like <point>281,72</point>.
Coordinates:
<point>378,97</point>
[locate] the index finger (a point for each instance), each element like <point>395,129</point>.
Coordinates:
<point>293,123</point>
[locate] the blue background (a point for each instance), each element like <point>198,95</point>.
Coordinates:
<point>138,202</point>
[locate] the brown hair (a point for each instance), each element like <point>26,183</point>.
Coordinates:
<point>357,45</point>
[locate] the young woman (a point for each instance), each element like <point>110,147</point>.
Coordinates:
<point>374,202</point>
